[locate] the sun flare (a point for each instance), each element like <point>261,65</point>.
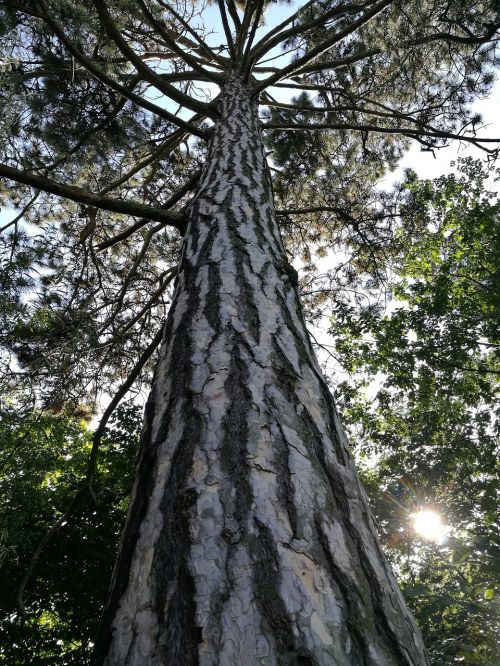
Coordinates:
<point>429,525</point>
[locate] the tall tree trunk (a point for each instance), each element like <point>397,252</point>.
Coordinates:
<point>249,539</point>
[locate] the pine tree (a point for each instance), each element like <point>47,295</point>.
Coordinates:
<point>249,538</point>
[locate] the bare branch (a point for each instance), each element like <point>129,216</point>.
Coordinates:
<point>227,29</point>
<point>324,46</point>
<point>211,55</point>
<point>79,195</point>
<point>148,73</point>
<point>163,150</point>
<point>117,336</point>
<point>184,189</point>
<point>22,213</point>
<point>405,131</point>
<point>233,12</point>
<point>247,60</point>
<point>117,305</point>
<point>109,119</point>
<point>171,43</point>
<point>250,9</point>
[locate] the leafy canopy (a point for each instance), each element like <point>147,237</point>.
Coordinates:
<point>107,107</point>
<point>41,461</point>
<point>422,405</point>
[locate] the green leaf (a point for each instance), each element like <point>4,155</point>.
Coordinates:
<point>459,555</point>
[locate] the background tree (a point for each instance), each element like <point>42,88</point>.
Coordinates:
<point>80,112</point>
<point>431,424</point>
<point>63,608</point>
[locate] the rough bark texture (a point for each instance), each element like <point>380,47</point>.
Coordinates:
<point>249,539</point>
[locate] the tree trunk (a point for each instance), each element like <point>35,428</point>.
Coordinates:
<point>249,539</point>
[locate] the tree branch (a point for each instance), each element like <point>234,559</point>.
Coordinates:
<point>314,209</point>
<point>338,10</point>
<point>109,118</point>
<point>233,12</point>
<point>22,213</point>
<point>336,64</point>
<point>149,74</point>
<point>117,336</point>
<point>465,368</point>
<point>163,150</point>
<point>211,55</point>
<point>369,53</point>
<point>392,114</point>
<point>283,24</point>
<point>227,29</point>
<point>405,131</point>
<point>118,302</point>
<point>39,549</point>
<point>247,61</point>
<point>177,196</point>
<point>324,46</point>
<point>183,54</point>
<point>79,195</point>
<point>250,9</point>
<point>183,76</point>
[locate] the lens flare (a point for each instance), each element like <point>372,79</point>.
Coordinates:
<point>429,524</point>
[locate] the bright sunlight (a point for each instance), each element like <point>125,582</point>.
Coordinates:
<point>429,525</point>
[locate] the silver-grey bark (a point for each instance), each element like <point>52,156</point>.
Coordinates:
<point>249,538</point>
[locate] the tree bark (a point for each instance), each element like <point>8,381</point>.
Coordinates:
<point>249,539</point>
